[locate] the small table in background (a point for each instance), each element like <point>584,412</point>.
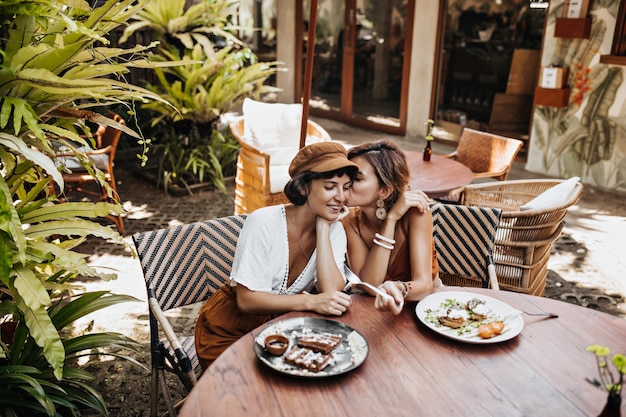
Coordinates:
<point>437,177</point>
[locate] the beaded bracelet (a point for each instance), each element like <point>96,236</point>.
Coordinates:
<point>383,245</point>
<point>385,239</point>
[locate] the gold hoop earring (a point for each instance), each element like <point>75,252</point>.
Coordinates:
<point>381,211</point>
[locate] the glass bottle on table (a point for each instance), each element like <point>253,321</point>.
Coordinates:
<point>428,151</point>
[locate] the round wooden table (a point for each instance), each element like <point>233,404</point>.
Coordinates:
<point>437,177</point>
<point>414,371</point>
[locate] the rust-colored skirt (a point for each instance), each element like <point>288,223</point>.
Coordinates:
<point>221,323</point>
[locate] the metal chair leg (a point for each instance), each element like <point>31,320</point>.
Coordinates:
<point>154,392</point>
<point>166,393</point>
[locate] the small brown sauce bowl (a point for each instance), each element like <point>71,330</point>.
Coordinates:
<point>276,344</point>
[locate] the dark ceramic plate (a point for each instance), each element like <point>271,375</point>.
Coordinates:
<point>349,355</point>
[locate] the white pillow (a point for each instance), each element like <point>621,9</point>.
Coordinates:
<point>101,161</point>
<point>279,177</point>
<point>280,159</point>
<point>272,125</point>
<point>553,196</point>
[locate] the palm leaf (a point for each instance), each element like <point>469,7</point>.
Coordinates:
<point>97,341</point>
<point>30,288</point>
<point>76,227</point>
<point>68,260</point>
<point>82,393</point>
<point>17,377</point>
<point>87,303</point>
<point>70,210</point>
<point>11,223</point>
<point>18,145</point>
<point>44,334</point>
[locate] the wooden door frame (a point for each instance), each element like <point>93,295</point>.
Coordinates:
<point>345,114</point>
<point>347,66</point>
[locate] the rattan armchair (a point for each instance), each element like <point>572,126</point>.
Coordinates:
<point>488,155</point>
<point>252,180</point>
<point>524,237</point>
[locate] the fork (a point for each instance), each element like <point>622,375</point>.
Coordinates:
<point>549,315</point>
<point>542,314</point>
<point>355,280</point>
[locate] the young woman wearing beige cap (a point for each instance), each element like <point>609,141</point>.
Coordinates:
<point>289,257</point>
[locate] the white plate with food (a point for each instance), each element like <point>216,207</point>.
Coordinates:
<point>469,317</point>
<point>313,347</point>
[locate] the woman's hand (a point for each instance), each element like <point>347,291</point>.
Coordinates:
<point>408,199</point>
<point>321,221</point>
<point>343,213</point>
<point>333,303</point>
<point>394,306</point>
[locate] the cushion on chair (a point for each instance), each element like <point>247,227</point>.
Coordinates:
<point>273,128</point>
<point>553,196</point>
<point>279,173</point>
<point>279,177</point>
<point>101,161</point>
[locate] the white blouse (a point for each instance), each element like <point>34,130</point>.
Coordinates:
<point>261,260</point>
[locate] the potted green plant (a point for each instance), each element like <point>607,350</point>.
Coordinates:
<point>216,73</point>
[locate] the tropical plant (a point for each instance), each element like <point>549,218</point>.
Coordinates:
<point>219,72</point>
<point>28,385</point>
<point>193,158</point>
<point>55,66</point>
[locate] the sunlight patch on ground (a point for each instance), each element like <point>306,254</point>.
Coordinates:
<point>602,234</point>
<point>137,212</point>
<point>383,120</point>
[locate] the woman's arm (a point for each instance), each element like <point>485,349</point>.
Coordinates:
<point>261,302</point>
<point>420,241</point>
<point>329,277</point>
<point>420,249</point>
<point>371,265</point>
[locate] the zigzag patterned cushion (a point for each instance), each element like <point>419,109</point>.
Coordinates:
<point>186,264</point>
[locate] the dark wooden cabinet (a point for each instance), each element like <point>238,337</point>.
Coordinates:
<point>475,73</point>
